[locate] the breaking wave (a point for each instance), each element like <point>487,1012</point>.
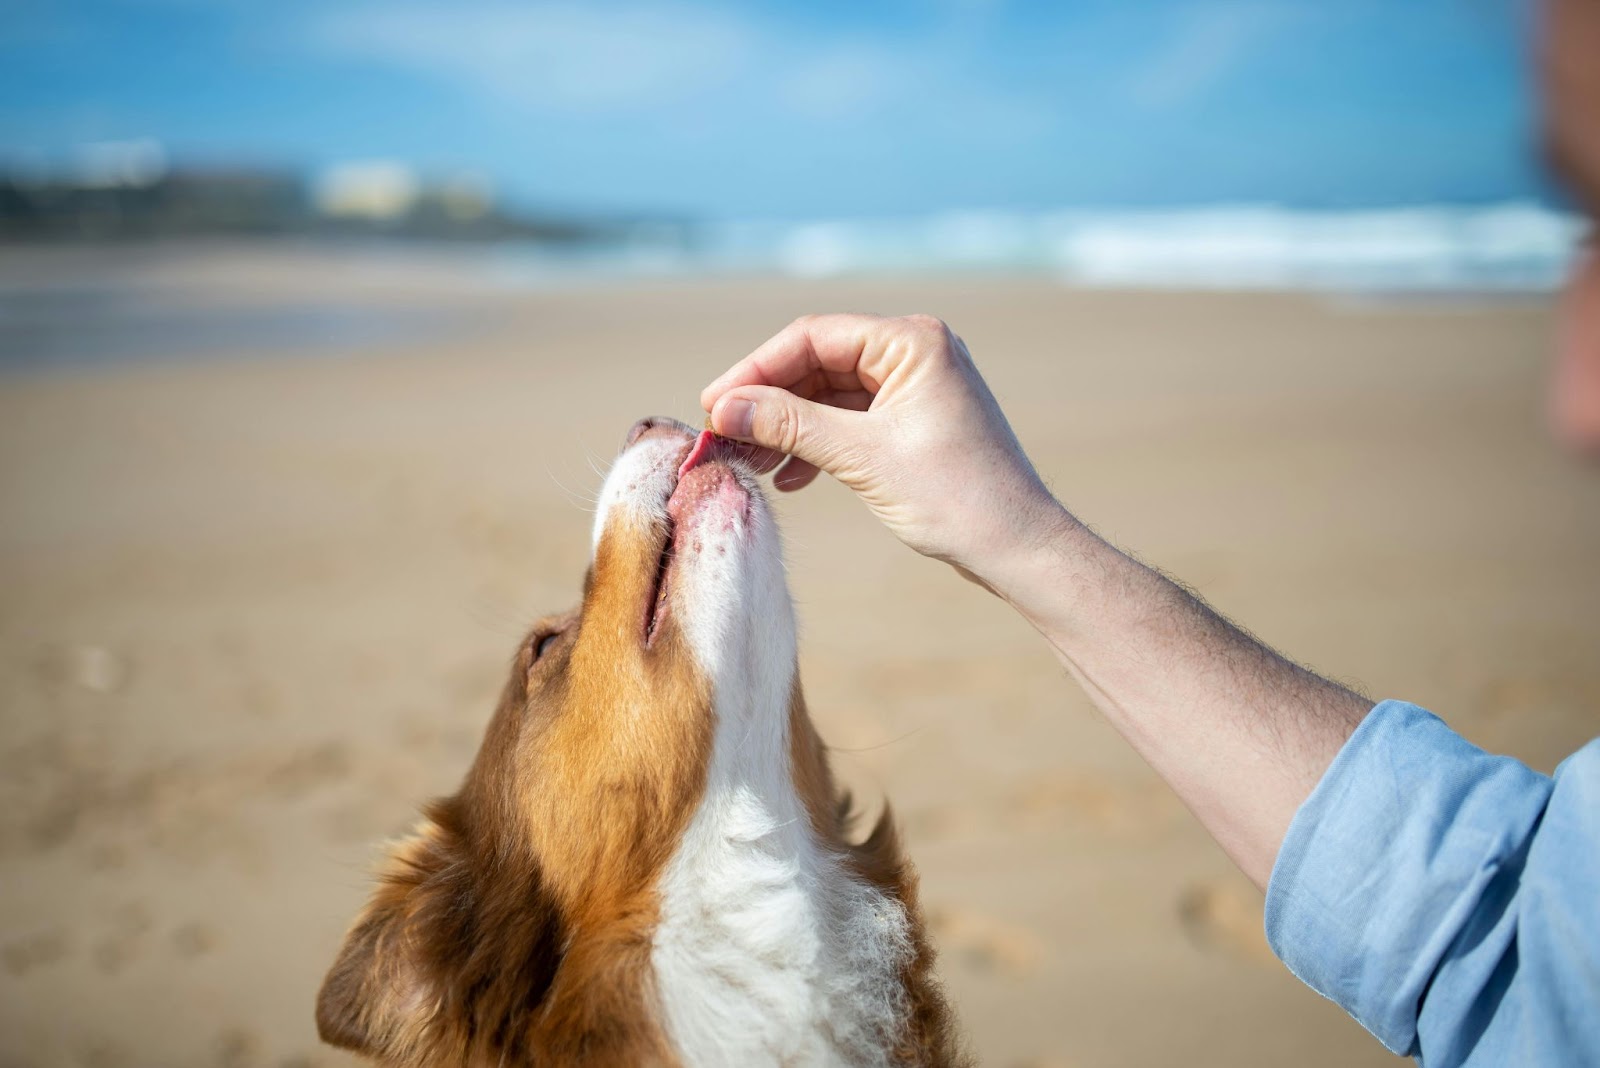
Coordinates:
<point>1508,247</point>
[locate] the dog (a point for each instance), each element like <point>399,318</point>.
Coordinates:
<point>649,863</point>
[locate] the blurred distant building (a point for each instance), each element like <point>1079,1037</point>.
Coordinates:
<point>175,204</point>
<point>127,190</point>
<point>375,192</point>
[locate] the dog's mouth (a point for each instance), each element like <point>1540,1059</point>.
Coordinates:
<point>656,607</point>
<point>706,488</point>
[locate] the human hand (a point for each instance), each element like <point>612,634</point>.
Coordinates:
<point>895,409</point>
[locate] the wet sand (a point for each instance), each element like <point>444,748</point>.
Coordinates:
<point>257,606</point>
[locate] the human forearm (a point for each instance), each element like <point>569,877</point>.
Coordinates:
<point>1239,732</point>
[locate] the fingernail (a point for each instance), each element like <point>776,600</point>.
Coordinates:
<point>737,419</point>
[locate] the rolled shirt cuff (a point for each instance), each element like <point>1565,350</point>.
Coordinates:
<point>1389,859</point>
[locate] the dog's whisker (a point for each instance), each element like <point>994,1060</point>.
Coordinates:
<point>578,498</point>
<point>598,464</point>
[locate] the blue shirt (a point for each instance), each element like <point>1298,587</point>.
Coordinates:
<point>1447,898</point>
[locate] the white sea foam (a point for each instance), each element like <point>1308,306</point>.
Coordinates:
<point>1509,247</point>
<point>1514,246</point>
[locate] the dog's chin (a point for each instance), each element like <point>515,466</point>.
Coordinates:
<point>715,587</point>
<point>726,587</point>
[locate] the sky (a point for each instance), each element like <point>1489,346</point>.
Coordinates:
<point>809,109</point>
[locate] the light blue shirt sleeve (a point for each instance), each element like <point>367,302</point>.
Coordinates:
<point>1448,899</point>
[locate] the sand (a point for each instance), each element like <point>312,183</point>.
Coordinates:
<point>257,604</point>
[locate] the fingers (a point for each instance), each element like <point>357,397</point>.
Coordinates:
<point>797,473</point>
<point>821,435</point>
<point>842,353</point>
<point>798,394</point>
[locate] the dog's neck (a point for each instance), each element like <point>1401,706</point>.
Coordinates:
<point>770,950</point>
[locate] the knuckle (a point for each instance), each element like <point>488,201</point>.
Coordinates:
<point>927,339</point>
<point>783,428</point>
<point>928,326</point>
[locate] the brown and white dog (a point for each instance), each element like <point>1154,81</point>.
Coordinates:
<point>648,862</point>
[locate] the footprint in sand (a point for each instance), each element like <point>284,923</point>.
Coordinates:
<point>103,1053</point>
<point>1226,919</point>
<point>124,943</point>
<point>984,943</point>
<point>23,955</point>
<point>238,1048</point>
<point>96,668</point>
<point>307,768</point>
<point>90,667</point>
<point>194,939</point>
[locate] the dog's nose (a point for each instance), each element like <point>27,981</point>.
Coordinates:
<point>661,424</point>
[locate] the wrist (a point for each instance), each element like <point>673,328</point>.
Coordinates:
<point>1064,579</point>
<point>1014,564</point>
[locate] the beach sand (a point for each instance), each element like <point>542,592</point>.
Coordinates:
<point>257,607</point>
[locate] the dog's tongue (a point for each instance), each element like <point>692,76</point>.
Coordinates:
<point>702,449</point>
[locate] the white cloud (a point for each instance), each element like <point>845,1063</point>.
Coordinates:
<point>844,80</point>
<point>549,56</point>
<point>678,62</point>
<point>1206,44</point>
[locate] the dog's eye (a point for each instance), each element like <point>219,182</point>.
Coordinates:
<point>543,644</point>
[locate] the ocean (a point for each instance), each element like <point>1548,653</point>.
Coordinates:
<point>1515,247</point>
<point>119,303</point>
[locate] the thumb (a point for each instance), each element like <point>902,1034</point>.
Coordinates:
<point>774,418</point>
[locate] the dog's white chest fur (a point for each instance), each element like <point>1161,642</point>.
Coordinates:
<point>768,952</point>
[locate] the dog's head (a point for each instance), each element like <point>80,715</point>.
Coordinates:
<point>518,919</point>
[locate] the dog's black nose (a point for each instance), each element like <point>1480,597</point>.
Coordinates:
<point>661,423</point>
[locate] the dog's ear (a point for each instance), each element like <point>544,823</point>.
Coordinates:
<point>362,997</point>
<point>449,960</point>
<point>379,992</point>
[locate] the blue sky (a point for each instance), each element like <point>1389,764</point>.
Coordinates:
<point>806,109</point>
